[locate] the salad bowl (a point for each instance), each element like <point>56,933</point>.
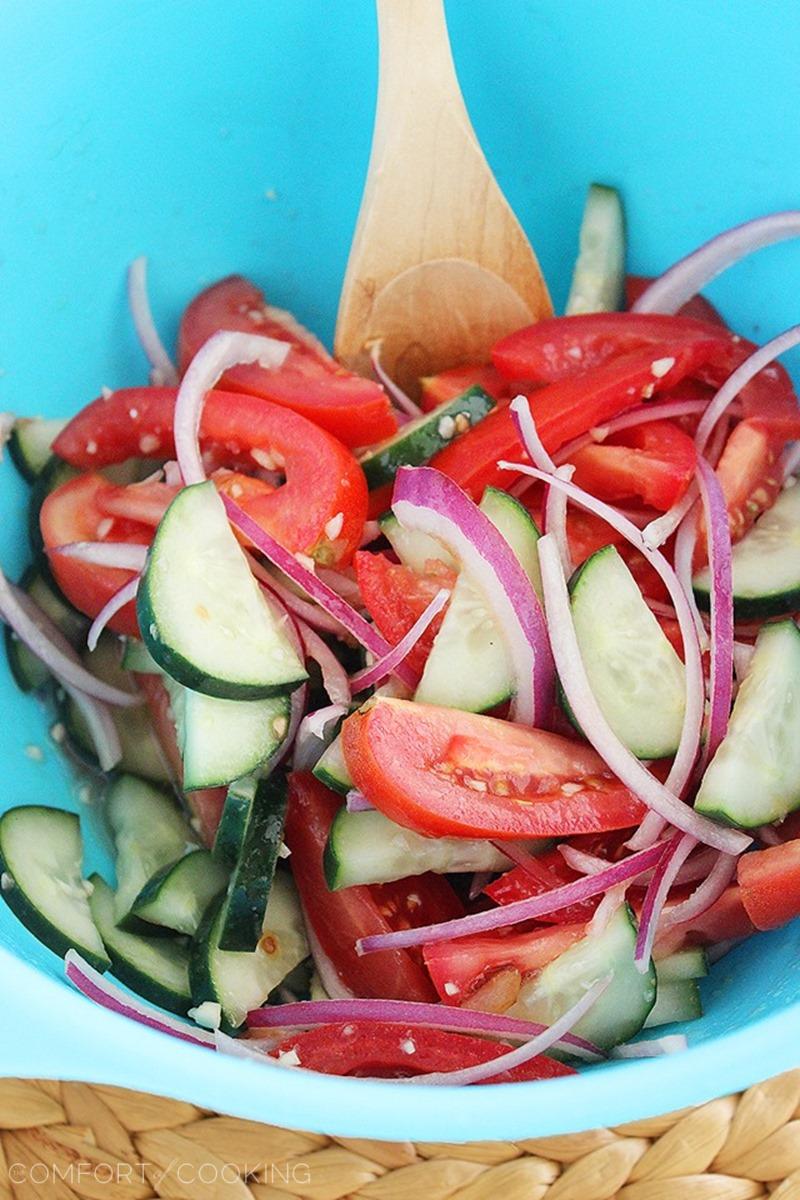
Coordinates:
<point>235,137</point>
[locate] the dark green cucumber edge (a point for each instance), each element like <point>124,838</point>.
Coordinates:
<point>248,891</point>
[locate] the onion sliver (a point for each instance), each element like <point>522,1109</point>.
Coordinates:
<point>126,556</point>
<point>163,369</point>
<point>102,730</point>
<point>596,729</point>
<point>703,896</point>
<point>664,876</point>
<point>403,402</point>
<point>222,351</point>
<point>721,566</point>
<point>334,676</point>
<point>121,597</point>
<point>426,500</point>
<point>690,275</point>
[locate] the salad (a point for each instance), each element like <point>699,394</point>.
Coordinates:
<point>449,737</point>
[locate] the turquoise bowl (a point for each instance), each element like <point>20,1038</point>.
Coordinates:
<point>234,137</point>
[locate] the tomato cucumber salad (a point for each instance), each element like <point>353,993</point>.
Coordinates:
<point>445,738</point>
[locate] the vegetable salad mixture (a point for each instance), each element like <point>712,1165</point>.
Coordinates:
<point>447,737</point>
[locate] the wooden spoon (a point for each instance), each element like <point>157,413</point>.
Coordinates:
<point>439,268</point>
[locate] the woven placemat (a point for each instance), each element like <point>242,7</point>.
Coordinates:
<point>66,1140</point>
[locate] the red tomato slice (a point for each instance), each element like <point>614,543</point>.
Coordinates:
<point>520,884</point>
<point>395,596</point>
<point>447,385</point>
<point>355,410</point>
<point>460,967</point>
<point>445,772</point>
<point>382,1050</point>
<point>321,508</point>
<point>654,461</point>
<point>74,512</point>
<point>205,804</point>
<point>698,306</point>
<point>571,406</point>
<point>747,474</point>
<point>340,918</point>
<point>770,884</point>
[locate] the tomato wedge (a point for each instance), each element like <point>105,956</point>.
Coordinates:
<point>384,1050</point>
<point>551,871</point>
<point>748,475</point>
<point>654,461</point>
<point>338,919</point>
<point>321,508</point>
<point>395,596</point>
<point>573,405</point>
<point>770,884</point>
<point>310,381</point>
<point>74,513</point>
<point>459,968</point>
<point>440,771</point>
<point>447,385</point>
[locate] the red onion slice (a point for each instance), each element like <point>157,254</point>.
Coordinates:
<point>311,737</point>
<point>690,275</point>
<point>596,729</point>
<point>520,910</point>
<point>123,555</point>
<point>334,676</point>
<point>222,351</point>
<point>356,801</point>
<point>120,598</point>
<point>401,400</point>
<point>329,976</point>
<point>386,665</point>
<point>163,373</point>
<point>43,639</point>
<point>428,501</point>
<point>641,415</point>
<point>93,985</point>
<point>102,729</point>
<point>705,895</point>
<point>721,566</point>
<point>678,850</point>
<point>319,591</point>
<point>305,1014</point>
<point>528,434</point>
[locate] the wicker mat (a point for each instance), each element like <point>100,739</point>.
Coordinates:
<point>65,1140</point>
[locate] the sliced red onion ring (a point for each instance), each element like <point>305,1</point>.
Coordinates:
<point>319,591</point>
<point>163,372</point>
<point>528,434</point>
<point>328,975</point>
<point>678,850</point>
<point>518,911</point>
<point>40,635</point>
<point>596,729</point>
<point>222,351</point>
<point>683,763</point>
<point>649,832</point>
<point>402,401</point>
<point>356,801</point>
<point>426,500</point>
<point>334,676</point>
<point>386,665</point>
<point>124,555</point>
<point>672,1043</point>
<point>108,995</point>
<point>312,614</point>
<point>521,857</point>
<point>307,1013</point>
<point>641,415</point>
<point>555,517</point>
<point>311,737</point>
<point>342,584</point>
<point>120,598</point>
<point>696,868</point>
<point>719,556</point>
<point>703,896</point>
<point>611,903</point>
<point>100,724</point>
<point>172,474</point>
<point>690,275</point>
<point>522,1054</point>
<point>659,530</point>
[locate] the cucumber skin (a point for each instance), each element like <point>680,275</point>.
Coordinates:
<point>337,783</point>
<point>233,821</point>
<point>201,980</point>
<point>779,604</point>
<point>37,924</point>
<point>141,983</point>
<point>151,893</point>
<point>248,891</point>
<point>381,464</point>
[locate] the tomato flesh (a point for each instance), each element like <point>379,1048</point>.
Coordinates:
<point>654,461</point>
<point>310,381</point>
<point>770,884</point>
<point>384,1050</point>
<point>339,919</point>
<point>440,772</point>
<point>395,596</point>
<point>448,385</point>
<point>321,508</point>
<point>748,475</point>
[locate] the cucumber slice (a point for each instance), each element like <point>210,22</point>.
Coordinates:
<point>178,895</point>
<point>469,666</point>
<point>598,282</point>
<point>149,833</point>
<point>413,548</point>
<point>677,1000</point>
<point>141,751</point>
<point>366,847</point>
<point>331,769</point>
<point>418,440</point>
<point>156,968</point>
<point>766,563</point>
<point>252,821</point>
<point>635,674</point>
<point>40,857</point>
<point>222,740</point>
<point>136,657</point>
<point>683,964</point>
<point>30,444</point>
<point>754,777</point>
<point>239,982</point>
<point>623,1007</point>
<point>202,615</point>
